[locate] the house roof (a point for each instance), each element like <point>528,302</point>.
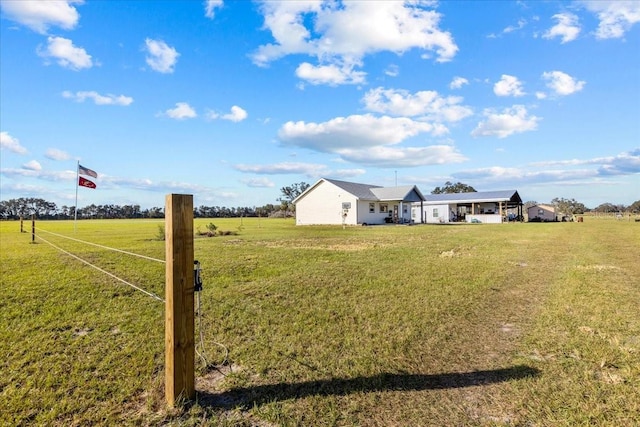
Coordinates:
<point>361,191</point>
<point>543,206</point>
<point>406,193</point>
<point>477,196</point>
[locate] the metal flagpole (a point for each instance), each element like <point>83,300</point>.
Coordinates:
<point>75,212</point>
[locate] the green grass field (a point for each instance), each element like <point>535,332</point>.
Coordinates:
<point>443,325</point>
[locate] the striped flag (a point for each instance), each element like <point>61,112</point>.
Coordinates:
<point>86,171</point>
<point>84,182</point>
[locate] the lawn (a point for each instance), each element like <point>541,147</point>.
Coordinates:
<point>445,325</point>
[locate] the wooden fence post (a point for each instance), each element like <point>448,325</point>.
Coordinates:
<point>179,299</point>
<point>33,228</point>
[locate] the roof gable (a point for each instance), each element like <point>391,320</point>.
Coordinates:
<point>361,191</point>
<point>406,193</point>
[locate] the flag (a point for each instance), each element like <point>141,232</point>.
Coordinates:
<point>86,171</point>
<point>83,182</point>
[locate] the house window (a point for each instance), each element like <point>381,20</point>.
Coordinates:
<point>372,207</point>
<point>540,211</point>
<point>384,208</point>
<point>435,212</point>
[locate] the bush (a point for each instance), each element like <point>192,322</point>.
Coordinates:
<point>161,233</point>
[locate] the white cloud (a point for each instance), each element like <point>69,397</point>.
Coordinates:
<point>512,28</point>
<point>237,114</point>
<point>458,82</point>
<point>427,104</point>
<point>566,172</point>
<point>347,173</point>
<point>11,143</point>
<point>160,56</point>
<point>32,165</point>
<point>99,99</point>
<point>339,36</point>
<point>210,7</point>
<point>309,169</point>
<point>182,111</point>
<point>331,74</point>
<point>55,154</point>
<point>66,54</point>
<point>508,86</point>
<point>258,183</point>
<point>622,164</point>
<point>41,174</point>
<point>383,156</point>
<point>366,139</point>
<point>562,83</point>
<point>498,174</point>
<point>567,27</point>
<point>357,131</point>
<point>40,15</point>
<point>616,17</point>
<point>510,121</point>
<point>392,70</point>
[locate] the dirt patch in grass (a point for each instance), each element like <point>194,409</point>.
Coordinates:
<point>597,267</point>
<point>324,246</point>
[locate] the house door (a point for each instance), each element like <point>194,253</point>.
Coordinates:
<point>395,213</point>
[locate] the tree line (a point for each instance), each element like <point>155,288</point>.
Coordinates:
<point>25,207</point>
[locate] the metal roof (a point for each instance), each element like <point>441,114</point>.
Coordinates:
<point>405,193</point>
<point>411,193</point>
<point>361,191</point>
<point>477,196</point>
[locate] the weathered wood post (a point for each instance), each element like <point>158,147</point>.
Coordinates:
<point>179,299</point>
<point>33,228</point>
<point>21,227</point>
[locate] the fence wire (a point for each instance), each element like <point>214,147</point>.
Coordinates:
<point>151,294</point>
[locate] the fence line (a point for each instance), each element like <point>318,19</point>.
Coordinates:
<point>104,247</point>
<point>152,295</point>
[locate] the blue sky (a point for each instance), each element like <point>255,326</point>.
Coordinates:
<point>232,100</point>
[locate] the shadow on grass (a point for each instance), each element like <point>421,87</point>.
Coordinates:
<point>247,397</point>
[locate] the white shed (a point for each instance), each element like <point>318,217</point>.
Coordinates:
<point>330,201</point>
<point>541,213</point>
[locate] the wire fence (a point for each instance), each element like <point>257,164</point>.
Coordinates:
<point>200,352</point>
<point>84,261</point>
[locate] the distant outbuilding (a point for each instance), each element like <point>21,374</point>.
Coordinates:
<point>542,213</point>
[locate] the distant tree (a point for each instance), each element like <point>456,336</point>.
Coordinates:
<point>634,207</point>
<point>449,187</point>
<point>568,206</point>
<point>530,203</point>
<point>607,207</point>
<point>290,193</point>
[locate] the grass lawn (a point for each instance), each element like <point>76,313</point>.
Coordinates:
<point>445,325</point>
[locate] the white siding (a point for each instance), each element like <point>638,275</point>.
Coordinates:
<point>544,212</point>
<point>437,213</point>
<point>375,217</point>
<point>323,205</point>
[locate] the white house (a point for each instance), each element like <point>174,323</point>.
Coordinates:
<point>330,201</point>
<point>475,207</point>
